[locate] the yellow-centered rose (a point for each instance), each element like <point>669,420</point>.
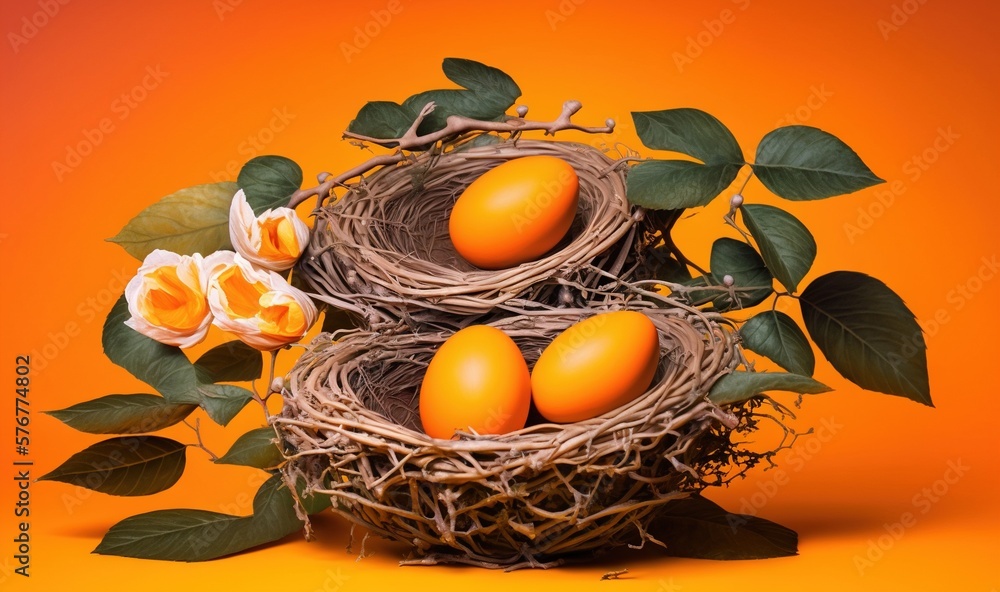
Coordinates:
<point>257,305</point>
<point>167,298</point>
<point>274,240</point>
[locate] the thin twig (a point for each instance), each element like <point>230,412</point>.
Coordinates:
<point>455,125</point>
<point>197,432</point>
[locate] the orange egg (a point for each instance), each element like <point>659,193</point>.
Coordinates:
<point>477,379</point>
<point>515,212</point>
<point>596,365</point>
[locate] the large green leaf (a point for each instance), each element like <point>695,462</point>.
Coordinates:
<point>269,182</point>
<point>736,387</point>
<point>382,119</point>
<point>677,184</point>
<point>197,535</point>
<point>123,414</point>
<point>448,102</point>
<point>133,465</point>
<point>787,246</point>
<point>178,535</point>
<point>223,401</point>
<point>233,361</point>
<point>689,131</point>
<point>490,84</point>
<point>192,220</point>
<point>868,334</point>
<point>487,94</point>
<point>799,162</point>
<point>775,335</point>
<point>698,528</point>
<point>257,448</point>
<point>163,367</point>
<point>739,260</point>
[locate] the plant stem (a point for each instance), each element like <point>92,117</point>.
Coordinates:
<point>455,125</point>
<point>197,432</point>
<point>747,180</point>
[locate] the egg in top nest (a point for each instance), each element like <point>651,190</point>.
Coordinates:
<point>515,212</point>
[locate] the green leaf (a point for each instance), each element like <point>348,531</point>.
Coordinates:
<point>233,361</point>
<point>274,513</point>
<point>163,367</point>
<point>787,246</point>
<point>223,401</point>
<point>697,528</point>
<point>178,535</point>
<point>677,184</point>
<point>699,297</point>
<point>198,535</point>
<point>192,220</point>
<point>129,466</point>
<point>775,335</point>
<point>868,334</point>
<point>488,94</point>
<point>736,387</point>
<point>740,260</point>
<point>269,182</point>
<point>382,119</point>
<point>256,448</point>
<point>123,414</point>
<point>799,162</point>
<point>689,131</point>
<point>450,102</point>
<point>490,84</point>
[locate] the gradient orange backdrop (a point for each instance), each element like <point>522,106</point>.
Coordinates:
<point>898,80</point>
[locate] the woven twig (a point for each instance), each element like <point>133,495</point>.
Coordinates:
<point>523,499</point>
<point>383,252</point>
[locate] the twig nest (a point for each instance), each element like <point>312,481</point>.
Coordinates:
<point>383,250</point>
<point>523,499</point>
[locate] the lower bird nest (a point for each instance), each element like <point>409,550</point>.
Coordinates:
<point>528,498</point>
<point>383,250</point>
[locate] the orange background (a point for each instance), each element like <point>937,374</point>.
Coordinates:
<point>888,93</point>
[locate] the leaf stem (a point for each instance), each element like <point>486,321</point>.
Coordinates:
<point>747,180</point>
<point>196,428</point>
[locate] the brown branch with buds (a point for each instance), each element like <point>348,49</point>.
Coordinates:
<point>455,125</point>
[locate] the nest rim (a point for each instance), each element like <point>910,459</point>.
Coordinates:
<point>351,266</point>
